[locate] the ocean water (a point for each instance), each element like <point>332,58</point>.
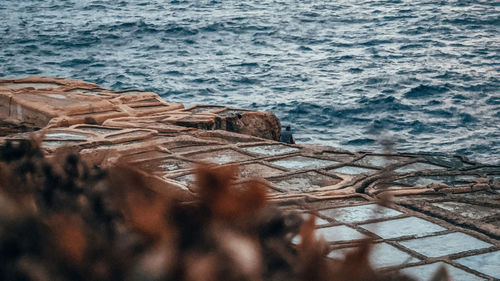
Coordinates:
<point>407,75</point>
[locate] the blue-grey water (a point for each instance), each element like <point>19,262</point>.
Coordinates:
<point>423,75</point>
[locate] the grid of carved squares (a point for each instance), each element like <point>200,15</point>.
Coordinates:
<point>408,240</point>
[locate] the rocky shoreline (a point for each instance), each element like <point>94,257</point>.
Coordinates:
<point>450,194</point>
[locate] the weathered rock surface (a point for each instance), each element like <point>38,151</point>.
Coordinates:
<point>54,102</point>
<point>439,202</point>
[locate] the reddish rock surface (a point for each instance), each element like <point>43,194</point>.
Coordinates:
<point>436,199</point>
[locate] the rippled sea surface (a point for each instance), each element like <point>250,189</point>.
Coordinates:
<point>419,75</point>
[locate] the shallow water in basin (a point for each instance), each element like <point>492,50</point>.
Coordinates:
<point>411,226</point>
<point>353,170</point>
<point>471,211</point>
<point>99,130</point>
<point>305,181</point>
<point>65,136</point>
<point>30,85</point>
<point>377,161</point>
<point>339,233</point>
<point>221,156</point>
<point>488,263</point>
<point>359,213</point>
<point>270,150</point>
<point>301,162</point>
<point>54,143</point>
<point>418,166</point>
<point>446,244</point>
<point>426,180</point>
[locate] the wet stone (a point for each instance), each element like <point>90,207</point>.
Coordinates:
<point>425,272</point>
<point>359,213</point>
<point>449,161</point>
<point>382,255</point>
<point>131,92</point>
<point>56,96</point>
<point>418,166</point>
<point>489,170</point>
<point>187,180</point>
<point>163,165</point>
<point>378,161</point>
<point>200,109</point>
<point>488,263</point>
<point>231,112</point>
<point>43,102</point>
<point>339,233</point>
<point>443,245</point>
<point>481,196</point>
<point>98,130</point>
<point>270,150</point>
<point>301,162</point>
<point>66,136</point>
<point>386,186</point>
<point>258,170</point>
<point>335,203</point>
<point>468,210</point>
<point>147,101</point>
<point>132,134</point>
<point>425,181</point>
<point>411,226</point>
<point>353,170</point>
<point>221,156</point>
<point>59,143</point>
<point>192,148</point>
<point>338,156</point>
<point>88,92</point>
<point>145,156</point>
<point>305,181</point>
<point>16,86</point>
<point>146,106</point>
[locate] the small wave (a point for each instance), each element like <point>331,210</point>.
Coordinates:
<point>460,97</point>
<point>493,101</point>
<point>439,113</point>
<point>174,73</point>
<point>245,64</point>
<point>475,22</point>
<point>375,42</point>
<point>466,118</point>
<point>382,102</point>
<point>213,27</point>
<point>76,42</point>
<point>246,80</point>
<point>180,30</point>
<point>75,62</point>
<point>304,48</point>
<point>434,102</point>
<point>310,14</point>
<point>211,80</point>
<point>419,128</point>
<point>424,91</point>
<point>355,70</point>
<point>360,142</point>
<point>411,46</point>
